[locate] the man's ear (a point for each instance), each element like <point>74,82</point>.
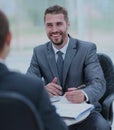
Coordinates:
<point>68,24</point>
<point>8,38</point>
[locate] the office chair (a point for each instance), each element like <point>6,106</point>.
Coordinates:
<point>18,113</point>
<point>107,100</point>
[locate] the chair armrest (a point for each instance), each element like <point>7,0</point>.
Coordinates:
<point>107,108</point>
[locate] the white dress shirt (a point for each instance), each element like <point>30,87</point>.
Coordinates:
<point>63,50</point>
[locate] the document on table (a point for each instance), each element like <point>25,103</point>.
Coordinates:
<point>70,110</point>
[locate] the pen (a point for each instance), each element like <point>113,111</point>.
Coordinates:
<point>76,88</point>
<point>81,86</point>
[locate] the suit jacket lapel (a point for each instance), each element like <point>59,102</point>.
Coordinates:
<point>52,61</point>
<point>71,51</point>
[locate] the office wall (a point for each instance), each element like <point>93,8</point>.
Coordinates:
<point>90,20</point>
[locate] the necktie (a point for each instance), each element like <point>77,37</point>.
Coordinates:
<point>60,65</point>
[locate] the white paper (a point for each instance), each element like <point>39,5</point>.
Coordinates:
<point>71,110</point>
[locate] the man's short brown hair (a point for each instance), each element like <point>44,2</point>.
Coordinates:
<point>56,9</point>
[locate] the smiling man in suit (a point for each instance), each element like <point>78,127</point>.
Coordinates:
<point>32,88</point>
<point>76,64</point>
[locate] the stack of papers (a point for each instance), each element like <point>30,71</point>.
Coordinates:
<point>71,110</point>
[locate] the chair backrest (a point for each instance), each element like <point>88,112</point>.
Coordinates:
<point>108,70</point>
<point>18,113</point>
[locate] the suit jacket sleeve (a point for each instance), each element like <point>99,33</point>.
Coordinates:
<point>94,76</point>
<point>34,69</point>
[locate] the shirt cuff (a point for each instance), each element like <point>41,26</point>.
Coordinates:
<point>85,96</point>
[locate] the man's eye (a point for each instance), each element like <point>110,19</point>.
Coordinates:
<point>59,24</point>
<point>49,25</point>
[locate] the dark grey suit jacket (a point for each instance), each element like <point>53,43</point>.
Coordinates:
<point>33,89</point>
<point>81,66</point>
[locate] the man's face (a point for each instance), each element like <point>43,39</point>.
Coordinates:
<point>56,28</point>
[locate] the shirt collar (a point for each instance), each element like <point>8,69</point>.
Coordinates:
<point>62,49</point>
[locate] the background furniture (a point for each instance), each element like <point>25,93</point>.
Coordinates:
<point>18,113</point>
<point>107,100</point>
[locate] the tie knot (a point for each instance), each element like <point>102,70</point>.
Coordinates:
<point>60,53</point>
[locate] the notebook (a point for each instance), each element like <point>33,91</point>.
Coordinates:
<point>71,110</point>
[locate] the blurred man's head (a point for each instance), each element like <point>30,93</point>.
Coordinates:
<point>5,36</point>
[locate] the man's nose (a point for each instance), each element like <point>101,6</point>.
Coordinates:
<point>55,28</point>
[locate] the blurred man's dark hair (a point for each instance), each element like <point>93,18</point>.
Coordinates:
<point>4,29</point>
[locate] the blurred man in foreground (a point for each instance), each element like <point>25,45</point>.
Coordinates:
<point>29,87</point>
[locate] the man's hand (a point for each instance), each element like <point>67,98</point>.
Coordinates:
<point>53,88</point>
<point>75,95</point>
